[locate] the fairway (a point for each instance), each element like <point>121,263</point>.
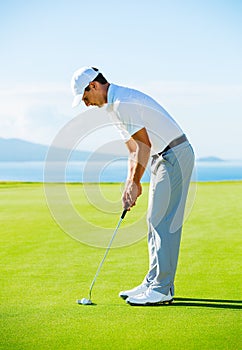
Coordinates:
<point>44,270</point>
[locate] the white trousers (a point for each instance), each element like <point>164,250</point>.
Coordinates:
<point>170,178</point>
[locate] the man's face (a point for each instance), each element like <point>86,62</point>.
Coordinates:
<point>93,95</point>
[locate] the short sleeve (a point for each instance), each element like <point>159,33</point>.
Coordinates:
<point>127,117</point>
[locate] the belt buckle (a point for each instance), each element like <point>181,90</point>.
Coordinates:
<point>154,158</point>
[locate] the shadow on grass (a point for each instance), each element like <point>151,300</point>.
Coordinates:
<point>210,303</point>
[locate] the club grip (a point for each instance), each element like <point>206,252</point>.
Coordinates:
<point>124,213</point>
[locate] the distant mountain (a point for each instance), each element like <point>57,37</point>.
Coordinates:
<point>210,159</point>
<point>16,150</point>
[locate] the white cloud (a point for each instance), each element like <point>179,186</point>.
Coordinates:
<point>210,114</point>
<point>34,113</point>
<point>190,93</point>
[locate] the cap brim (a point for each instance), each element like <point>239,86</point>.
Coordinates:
<point>77,100</point>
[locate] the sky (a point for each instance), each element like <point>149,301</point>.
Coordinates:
<point>185,54</point>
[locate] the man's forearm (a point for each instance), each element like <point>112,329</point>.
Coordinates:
<point>139,148</point>
<point>131,166</point>
<point>141,160</point>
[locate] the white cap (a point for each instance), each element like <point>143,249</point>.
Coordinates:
<point>80,80</point>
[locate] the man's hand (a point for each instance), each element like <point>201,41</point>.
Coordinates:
<point>131,193</point>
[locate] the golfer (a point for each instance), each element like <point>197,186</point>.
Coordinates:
<point>150,134</point>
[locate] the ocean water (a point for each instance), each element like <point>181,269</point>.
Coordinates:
<point>110,172</point>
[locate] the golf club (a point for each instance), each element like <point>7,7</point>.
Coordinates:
<point>85,301</point>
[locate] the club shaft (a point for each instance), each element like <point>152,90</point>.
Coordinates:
<point>106,253</point>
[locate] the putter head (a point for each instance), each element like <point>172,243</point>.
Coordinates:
<point>84,301</point>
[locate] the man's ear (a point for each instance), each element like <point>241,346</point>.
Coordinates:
<point>93,85</point>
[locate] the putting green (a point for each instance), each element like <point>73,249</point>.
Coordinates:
<point>44,271</point>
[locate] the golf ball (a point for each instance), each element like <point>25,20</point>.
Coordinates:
<point>84,301</point>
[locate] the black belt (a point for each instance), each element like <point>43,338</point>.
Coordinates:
<point>172,144</point>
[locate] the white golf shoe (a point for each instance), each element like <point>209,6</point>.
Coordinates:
<point>142,288</point>
<point>150,297</point>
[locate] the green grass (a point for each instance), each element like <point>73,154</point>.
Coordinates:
<point>44,270</point>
